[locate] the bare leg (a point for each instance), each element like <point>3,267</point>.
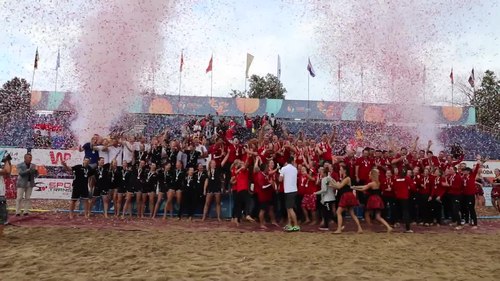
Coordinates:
<point>105,202</point>
<point>272,216</point>
<point>158,203</point>
<point>379,218</point>
<point>339,220</point>
<point>306,216</point>
<point>138,203</point>
<point>356,220</point>
<point>292,217</point>
<point>178,198</point>
<point>86,204</point>
<point>118,204</point>
<point>72,208</point>
<point>169,205</point>
<point>368,219</point>
<point>144,197</point>
<point>218,206</point>
<point>151,203</point>
<point>314,217</point>
<point>262,220</point>
<point>206,208</point>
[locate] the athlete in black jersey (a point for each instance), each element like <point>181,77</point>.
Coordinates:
<point>165,181</point>
<point>116,185</point>
<point>140,181</point>
<point>175,190</point>
<point>102,185</point>
<point>128,182</point>
<point>82,174</point>
<point>150,188</point>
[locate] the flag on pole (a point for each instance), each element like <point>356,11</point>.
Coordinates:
<point>36,59</point>
<point>310,68</point>
<point>249,62</point>
<point>472,78</point>
<point>182,61</point>
<point>209,68</point>
<point>279,68</point>
<point>451,76</point>
<point>58,62</point>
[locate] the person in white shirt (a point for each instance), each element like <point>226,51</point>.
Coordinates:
<point>128,150</point>
<point>115,152</point>
<point>203,151</point>
<point>288,175</point>
<point>327,197</point>
<point>5,168</point>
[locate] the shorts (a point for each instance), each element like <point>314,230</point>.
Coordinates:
<point>214,189</point>
<point>175,189</point>
<point>100,191</point>
<point>122,189</point>
<point>309,202</point>
<point>80,192</point>
<point>147,189</point>
<point>264,205</point>
<point>290,200</point>
<point>3,210</point>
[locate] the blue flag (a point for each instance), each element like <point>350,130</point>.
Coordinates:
<point>310,69</point>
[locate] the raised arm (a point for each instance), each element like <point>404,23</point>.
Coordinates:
<point>6,169</point>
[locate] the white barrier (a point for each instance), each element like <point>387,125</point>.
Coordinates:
<point>52,189</point>
<point>53,157</point>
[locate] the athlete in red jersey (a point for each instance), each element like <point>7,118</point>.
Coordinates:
<point>437,193</point>
<point>455,191</point>
<point>469,177</point>
<point>402,186</point>
<point>263,187</point>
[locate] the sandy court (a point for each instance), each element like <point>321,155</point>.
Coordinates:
<point>50,247</point>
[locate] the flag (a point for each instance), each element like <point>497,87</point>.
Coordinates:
<point>472,78</point>
<point>279,68</point>
<point>182,61</point>
<point>310,68</point>
<point>58,62</point>
<point>451,76</point>
<point>338,73</point>
<point>36,59</point>
<point>249,62</point>
<point>209,68</point>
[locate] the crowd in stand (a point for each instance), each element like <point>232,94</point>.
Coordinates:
<point>189,167</point>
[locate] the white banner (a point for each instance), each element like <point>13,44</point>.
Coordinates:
<point>17,154</point>
<point>487,170</point>
<point>52,189</point>
<point>53,157</point>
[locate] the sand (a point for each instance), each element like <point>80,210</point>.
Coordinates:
<point>50,247</point>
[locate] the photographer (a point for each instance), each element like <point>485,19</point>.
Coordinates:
<point>5,168</point>
<point>25,183</point>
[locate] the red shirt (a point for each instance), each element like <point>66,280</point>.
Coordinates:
<point>242,181</point>
<point>230,134</point>
<point>456,185</point>
<point>470,182</point>
<point>249,123</point>
<point>302,184</point>
<point>402,187</point>
<point>387,183</point>
<point>365,165</point>
<point>426,185</point>
<point>439,189</point>
<point>216,152</point>
<point>299,155</point>
<point>263,194</point>
<point>235,152</point>
<point>326,150</point>
<point>416,182</point>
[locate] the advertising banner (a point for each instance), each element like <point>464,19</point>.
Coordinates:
<point>52,189</point>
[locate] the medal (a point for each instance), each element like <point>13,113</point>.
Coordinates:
<point>177,175</point>
<point>199,176</point>
<point>139,174</point>
<point>85,172</point>
<point>188,181</point>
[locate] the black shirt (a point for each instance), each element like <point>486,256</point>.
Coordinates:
<point>192,158</point>
<point>82,175</point>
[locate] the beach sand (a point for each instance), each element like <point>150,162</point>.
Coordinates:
<point>50,247</point>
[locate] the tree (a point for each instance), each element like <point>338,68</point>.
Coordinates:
<point>15,96</point>
<point>486,100</point>
<point>269,87</point>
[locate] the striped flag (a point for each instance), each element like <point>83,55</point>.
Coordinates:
<point>310,68</point>
<point>36,59</point>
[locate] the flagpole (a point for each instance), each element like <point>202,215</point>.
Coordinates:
<point>212,77</point>
<point>308,78</point>
<point>338,77</point>
<point>362,86</point>
<point>33,79</point>
<point>452,102</point>
<point>57,73</point>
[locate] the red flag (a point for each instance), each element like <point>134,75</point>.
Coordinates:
<point>209,68</point>
<point>472,78</point>
<point>182,61</point>
<point>451,76</point>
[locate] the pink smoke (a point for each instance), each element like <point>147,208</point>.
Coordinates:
<point>117,46</point>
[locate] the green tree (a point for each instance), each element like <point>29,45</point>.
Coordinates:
<point>486,100</point>
<point>268,87</point>
<point>15,96</point>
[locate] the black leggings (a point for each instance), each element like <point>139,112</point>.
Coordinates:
<point>240,201</point>
<point>404,206</point>
<point>188,206</point>
<point>424,208</point>
<point>470,204</point>
<point>326,212</point>
<point>437,211</point>
<point>390,212</point>
<point>455,208</point>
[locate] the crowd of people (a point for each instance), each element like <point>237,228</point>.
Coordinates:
<point>276,176</point>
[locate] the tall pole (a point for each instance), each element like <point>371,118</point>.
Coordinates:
<point>308,78</point>
<point>452,101</point>
<point>57,73</point>
<point>362,86</point>
<point>338,77</point>
<point>211,79</point>
<point>33,79</point>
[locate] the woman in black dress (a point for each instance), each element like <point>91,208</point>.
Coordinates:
<point>213,188</point>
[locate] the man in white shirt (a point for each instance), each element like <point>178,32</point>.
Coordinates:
<point>203,151</point>
<point>115,152</point>
<point>288,175</point>
<point>128,150</point>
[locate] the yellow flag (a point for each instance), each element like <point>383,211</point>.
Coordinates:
<point>249,62</point>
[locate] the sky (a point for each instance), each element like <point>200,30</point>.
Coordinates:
<point>357,35</point>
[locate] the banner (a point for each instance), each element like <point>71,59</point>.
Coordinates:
<point>487,172</point>
<point>52,189</point>
<point>53,157</point>
<point>289,109</point>
<point>17,155</point>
